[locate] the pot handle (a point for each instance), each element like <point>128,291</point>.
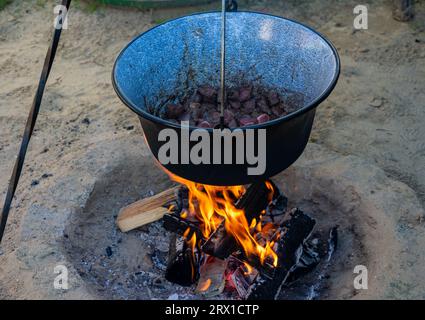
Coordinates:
<point>232,6</point>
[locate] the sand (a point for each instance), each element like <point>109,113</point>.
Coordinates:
<point>371,128</point>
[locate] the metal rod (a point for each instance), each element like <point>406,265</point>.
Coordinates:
<point>31,120</point>
<point>223,58</point>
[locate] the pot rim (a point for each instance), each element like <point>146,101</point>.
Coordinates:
<point>308,107</point>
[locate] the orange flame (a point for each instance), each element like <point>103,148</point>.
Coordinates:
<point>248,269</point>
<point>213,204</point>
<point>191,241</point>
<point>205,285</point>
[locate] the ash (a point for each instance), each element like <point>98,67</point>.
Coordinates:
<point>132,265</point>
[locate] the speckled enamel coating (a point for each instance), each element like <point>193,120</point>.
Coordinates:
<point>175,58</point>
<point>184,53</point>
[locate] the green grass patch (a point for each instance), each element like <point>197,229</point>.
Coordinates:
<point>92,6</point>
<point>4,3</point>
<point>40,3</point>
<point>88,6</point>
<point>159,20</point>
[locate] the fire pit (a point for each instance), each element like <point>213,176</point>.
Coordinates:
<point>326,187</point>
<point>229,239</point>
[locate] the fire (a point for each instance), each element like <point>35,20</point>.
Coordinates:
<point>248,269</point>
<point>205,285</point>
<point>211,205</point>
<point>191,241</point>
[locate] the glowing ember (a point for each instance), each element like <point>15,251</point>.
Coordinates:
<point>205,285</point>
<point>211,205</point>
<point>248,269</point>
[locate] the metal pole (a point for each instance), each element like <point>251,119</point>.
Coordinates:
<point>223,58</point>
<point>32,118</point>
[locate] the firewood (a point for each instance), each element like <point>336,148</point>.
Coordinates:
<point>179,225</point>
<point>309,259</point>
<point>183,263</point>
<point>253,202</point>
<point>146,210</point>
<point>211,281</point>
<point>332,242</point>
<point>295,231</point>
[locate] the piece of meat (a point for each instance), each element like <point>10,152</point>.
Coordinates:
<point>208,93</point>
<point>174,111</point>
<point>233,95</point>
<point>204,124</point>
<point>263,105</point>
<point>263,118</point>
<point>277,111</point>
<point>213,117</point>
<point>247,121</point>
<point>233,124</point>
<point>184,116</point>
<point>249,106</point>
<point>196,110</point>
<point>245,93</point>
<point>235,104</point>
<point>273,98</point>
<point>245,105</point>
<point>228,117</point>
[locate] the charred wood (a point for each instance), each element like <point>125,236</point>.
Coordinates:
<point>253,202</point>
<point>296,231</point>
<point>183,263</point>
<point>309,259</point>
<point>332,242</point>
<point>211,281</point>
<point>179,225</point>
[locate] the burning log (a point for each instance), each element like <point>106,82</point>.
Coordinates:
<point>211,282</point>
<point>146,210</point>
<point>253,202</point>
<point>309,259</point>
<point>243,278</point>
<point>174,223</point>
<point>183,261</point>
<point>220,244</point>
<point>294,232</point>
<point>276,210</point>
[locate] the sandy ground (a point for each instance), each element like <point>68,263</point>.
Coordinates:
<point>376,116</point>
